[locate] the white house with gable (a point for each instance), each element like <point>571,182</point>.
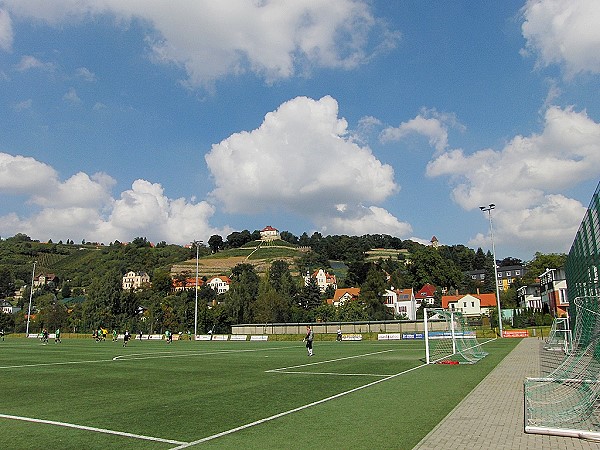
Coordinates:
<point>219,284</point>
<point>402,302</point>
<point>324,279</point>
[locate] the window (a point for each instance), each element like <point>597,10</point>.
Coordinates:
<point>507,273</point>
<point>517,273</point>
<point>473,277</point>
<point>472,304</point>
<point>464,304</point>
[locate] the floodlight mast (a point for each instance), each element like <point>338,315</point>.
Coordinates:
<point>488,209</point>
<point>30,298</point>
<point>197,245</point>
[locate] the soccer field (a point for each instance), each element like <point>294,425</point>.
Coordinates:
<point>154,395</point>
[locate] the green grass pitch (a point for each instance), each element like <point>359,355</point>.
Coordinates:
<point>154,395</point>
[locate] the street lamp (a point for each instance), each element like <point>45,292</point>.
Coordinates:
<point>197,245</point>
<point>488,209</point>
<point>30,298</point>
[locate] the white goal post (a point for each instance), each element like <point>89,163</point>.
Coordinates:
<point>449,339</point>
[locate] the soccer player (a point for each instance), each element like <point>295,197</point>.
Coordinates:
<point>168,336</point>
<point>339,334</point>
<point>126,338</point>
<point>57,336</point>
<point>309,340</point>
<point>114,333</point>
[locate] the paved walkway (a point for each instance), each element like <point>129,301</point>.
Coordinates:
<point>491,416</point>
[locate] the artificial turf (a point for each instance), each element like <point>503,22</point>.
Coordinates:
<point>349,395</point>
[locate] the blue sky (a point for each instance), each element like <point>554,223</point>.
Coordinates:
<point>178,120</point>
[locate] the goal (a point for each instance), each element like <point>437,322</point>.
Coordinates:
<point>567,401</point>
<point>560,337</point>
<point>449,339</point>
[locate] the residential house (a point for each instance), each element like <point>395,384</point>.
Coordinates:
<point>188,283</point>
<point>506,275</point>
<point>469,304</point>
<point>8,308</point>
<point>135,280</point>
<point>477,275</point>
<point>529,296</point>
<point>402,302</point>
<point>344,295</point>
<point>219,284</point>
<point>426,295</point>
<point>44,278</point>
<point>324,279</point>
<point>553,291</point>
<point>269,233</point>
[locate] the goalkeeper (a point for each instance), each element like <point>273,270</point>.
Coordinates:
<point>309,340</point>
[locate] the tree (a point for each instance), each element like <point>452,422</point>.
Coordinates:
<point>215,243</point>
<point>270,306</point>
<point>6,322</point>
<point>540,263</point>
<point>480,260</point>
<point>310,295</point>
<point>242,293</point>
<point>371,294</point>
<point>7,283</point>
<point>281,279</point>
<point>238,238</point>
<point>428,266</point>
<point>162,282</point>
<point>509,261</point>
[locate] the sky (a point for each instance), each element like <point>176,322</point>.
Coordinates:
<point>179,120</point>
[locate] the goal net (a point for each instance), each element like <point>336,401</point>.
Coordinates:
<point>560,338</point>
<point>449,339</point>
<point>567,401</point>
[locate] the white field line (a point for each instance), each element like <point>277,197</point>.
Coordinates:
<point>284,369</point>
<point>60,363</point>
<point>97,430</point>
<point>339,374</point>
<point>135,356</point>
<point>291,411</point>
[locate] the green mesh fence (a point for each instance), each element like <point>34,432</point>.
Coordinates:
<point>567,401</point>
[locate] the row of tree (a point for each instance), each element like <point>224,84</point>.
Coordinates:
<point>91,295</point>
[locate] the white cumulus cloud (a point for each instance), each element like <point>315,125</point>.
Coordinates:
<point>6,32</point>
<point>209,39</point>
<point>302,160</point>
<point>82,207</point>
<point>563,32</point>
<point>525,177</point>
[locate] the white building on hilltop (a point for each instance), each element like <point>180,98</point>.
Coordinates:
<point>135,280</point>
<point>269,233</point>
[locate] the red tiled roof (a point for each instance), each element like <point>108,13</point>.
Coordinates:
<point>428,290</point>
<point>339,293</point>
<point>485,300</point>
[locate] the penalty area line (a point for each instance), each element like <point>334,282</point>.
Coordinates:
<point>94,429</point>
<point>291,411</point>
<point>284,369</point>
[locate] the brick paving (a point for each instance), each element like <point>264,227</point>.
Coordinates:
<point>491,416</point>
